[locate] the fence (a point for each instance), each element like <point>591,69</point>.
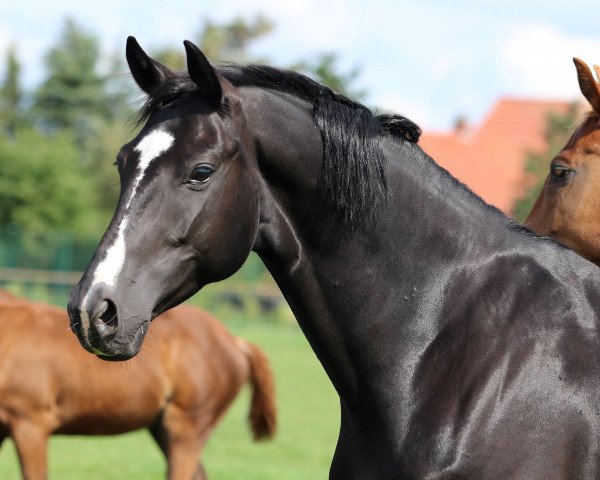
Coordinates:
<point>46,267</point>
<point>51,250</point>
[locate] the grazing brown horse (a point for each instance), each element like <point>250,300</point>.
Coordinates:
<point>188,375</point>
<point>569,203</point>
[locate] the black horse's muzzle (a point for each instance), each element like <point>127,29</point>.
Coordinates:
<point>101,330</point>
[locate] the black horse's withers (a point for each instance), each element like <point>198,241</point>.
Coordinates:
<point>461,345</point>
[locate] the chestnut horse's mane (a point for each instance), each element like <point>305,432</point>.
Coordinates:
<point>590,114</point>
<point>582,119</point>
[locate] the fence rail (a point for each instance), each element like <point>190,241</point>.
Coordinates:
<point>233,293</point>
<point>30,275</point>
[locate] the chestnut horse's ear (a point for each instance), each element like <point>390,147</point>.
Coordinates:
<point>203,74</point>
<point>588,84</point>
<point>147,72</point>
<point>597,70</point>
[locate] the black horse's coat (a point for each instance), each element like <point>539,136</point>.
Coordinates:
<point>462,346</point>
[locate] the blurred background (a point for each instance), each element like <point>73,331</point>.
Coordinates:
<point>491,83</point>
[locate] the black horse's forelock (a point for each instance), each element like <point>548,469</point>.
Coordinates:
<point>353,181</point>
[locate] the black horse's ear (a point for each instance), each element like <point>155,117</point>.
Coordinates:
<point>147,72</point>
<point>202,73</point>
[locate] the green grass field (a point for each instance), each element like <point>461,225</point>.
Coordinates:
<point>302,449</point>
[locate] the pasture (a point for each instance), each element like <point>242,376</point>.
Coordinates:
<point>308,426</point>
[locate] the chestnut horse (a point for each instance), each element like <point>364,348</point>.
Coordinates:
<point>461,345</point>
<point>186,378</point>
<point>568,207</point>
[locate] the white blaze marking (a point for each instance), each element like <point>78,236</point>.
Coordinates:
<point>149,148</point>
<point>111,265</point>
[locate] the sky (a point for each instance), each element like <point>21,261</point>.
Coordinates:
<point>429,60</point>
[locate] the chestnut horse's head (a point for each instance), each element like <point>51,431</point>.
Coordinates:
<point>188,207</point>
<point>568,207</point>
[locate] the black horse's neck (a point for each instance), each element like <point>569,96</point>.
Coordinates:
<point>359,301</point>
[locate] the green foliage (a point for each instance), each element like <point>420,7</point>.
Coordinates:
<point>172,57</point>
<point>59,187</point>
<point>559,128</point>
<point>51,193</point>
<point>103,149</point>
<point>11,95</point>
<point>73,95</point>
<point>221,42</point>
<point>119,90</point>
<point>324,70</point>
<point>229,42</point>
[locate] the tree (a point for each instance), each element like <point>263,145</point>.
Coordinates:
<point>221,42</point>
<point>43,186</point>
<point>558,132</point>
<point>57,172</point>
<point>73,90</point>
<point>75,96</point>
<point>324,70</point>
<point>11,94</point>
<point>230,42</point>
<point>119,90</point>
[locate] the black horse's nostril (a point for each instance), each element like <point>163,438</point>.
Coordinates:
<point>104,317</point>
<point>109,316</point>
<point>104,321</point>
<point>103,326</point>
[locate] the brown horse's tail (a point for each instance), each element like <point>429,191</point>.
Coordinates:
<point>263,412</point>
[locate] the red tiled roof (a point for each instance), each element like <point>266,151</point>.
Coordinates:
<point>490,158</point>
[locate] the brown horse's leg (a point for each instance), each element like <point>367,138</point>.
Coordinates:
<point>181,437</point>
<point>31,443</point>
<point>161,437</point>
<point>200,473</point>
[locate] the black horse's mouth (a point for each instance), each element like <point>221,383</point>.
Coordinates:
<point>173,298</point>
<point>162,306</point>
<point>117,348</point>
<point>114,358</point>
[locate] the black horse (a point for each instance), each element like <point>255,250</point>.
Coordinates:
<point>461,345</point>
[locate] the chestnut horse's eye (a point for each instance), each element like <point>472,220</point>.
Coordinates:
<point>201,174</point>
<point>559,173</point>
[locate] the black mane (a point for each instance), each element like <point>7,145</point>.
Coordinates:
<point>353,182</point>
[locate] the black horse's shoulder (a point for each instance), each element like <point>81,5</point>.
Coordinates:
<point>513,292</point>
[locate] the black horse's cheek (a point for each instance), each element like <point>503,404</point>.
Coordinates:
<point>224,243</point>
<point>226,258</point>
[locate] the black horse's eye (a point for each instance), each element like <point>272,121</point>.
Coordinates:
<point>201,174</point>
<point>559,173</point>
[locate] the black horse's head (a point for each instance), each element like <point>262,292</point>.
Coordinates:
<point>188,207</point>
